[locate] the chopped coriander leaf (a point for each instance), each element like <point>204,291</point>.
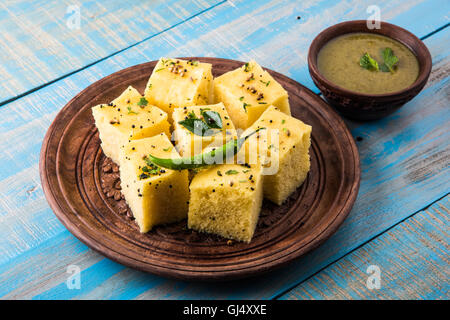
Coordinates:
<point>167,149</point>
<point>283,121</point>
<point>241,98</point>
<point>247,67</point>
<point>142,102</point>
<point>230,172</point>
<point>157,70</point>
<point>130,111</point>
<point>266,83</point>
<point>245,105</point>
<point>150,169</point>
<point>191,115</point>
<point>219,173</point>
<point>390,60</point>
<point>367,62</point>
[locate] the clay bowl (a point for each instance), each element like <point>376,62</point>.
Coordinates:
<point>358,106</point>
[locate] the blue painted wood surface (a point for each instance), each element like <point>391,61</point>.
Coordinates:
<point>405,164</point>
<point>412,259</point>
<point>42,41</point>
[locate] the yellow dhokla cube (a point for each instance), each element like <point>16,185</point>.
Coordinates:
<point>188,143</point>
<point>155,195</point>
<point>178,83</point>
<point>283,148</point>
<point>128,117</point>
<point>226,200</point>
<point>247,92</point>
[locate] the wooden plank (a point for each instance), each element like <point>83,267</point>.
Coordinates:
<point>412,257</point>
<point>41,43</point>
<point>261,24</point>
<point>30,229</point>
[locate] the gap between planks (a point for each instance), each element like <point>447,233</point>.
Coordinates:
<point>148,38</point>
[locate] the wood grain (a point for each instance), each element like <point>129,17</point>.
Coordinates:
<point>71,169</point>
<point>234,29</point>
<point>23,123</point>
<point>412,257</point>
<point>29,227</point>
<point>39,45</point>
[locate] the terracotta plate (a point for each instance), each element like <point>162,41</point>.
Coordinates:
<point>83,188</point>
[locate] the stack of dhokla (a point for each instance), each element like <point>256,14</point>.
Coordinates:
<point>223,199</point>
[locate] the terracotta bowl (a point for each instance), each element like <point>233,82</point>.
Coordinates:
<point>359,106</point>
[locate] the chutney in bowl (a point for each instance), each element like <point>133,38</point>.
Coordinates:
<point>339,62</point>
<point>382,69</point>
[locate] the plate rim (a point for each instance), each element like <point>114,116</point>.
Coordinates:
<point>203,275</point>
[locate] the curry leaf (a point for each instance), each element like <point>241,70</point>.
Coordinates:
<point>197,126</point>
<point>212,119</point>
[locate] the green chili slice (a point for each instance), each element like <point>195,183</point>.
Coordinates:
<point>230,149</point>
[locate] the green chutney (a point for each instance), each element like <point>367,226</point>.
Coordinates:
<point>338,61</point>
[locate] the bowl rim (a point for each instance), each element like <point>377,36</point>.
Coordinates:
<point>424,72</point>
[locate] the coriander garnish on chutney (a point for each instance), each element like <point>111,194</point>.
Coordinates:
<point>368,63</point>
<point>390,61</point>
<point>230,149</point>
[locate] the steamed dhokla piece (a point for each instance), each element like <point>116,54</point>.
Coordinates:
<point>128,117</point>
<point>178,83</point>
<point>187,142</point>
<point>247,92</point>
<point>226,200</point>
<point>283,147</point>
<point>155,195</point>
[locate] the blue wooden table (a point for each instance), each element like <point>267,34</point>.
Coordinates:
<point>398,228</point>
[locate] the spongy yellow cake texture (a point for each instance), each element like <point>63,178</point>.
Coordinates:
<point>247,92</point>
<point>283,148</point>
<point>178,83</point>
<point>226,200</point>
<point>155,195</point>
<point>128,117</point>
<point>188,143</point>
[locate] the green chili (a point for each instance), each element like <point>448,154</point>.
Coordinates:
<point>230,149</point>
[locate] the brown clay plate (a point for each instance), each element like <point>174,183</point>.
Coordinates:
<point>82,187</point>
